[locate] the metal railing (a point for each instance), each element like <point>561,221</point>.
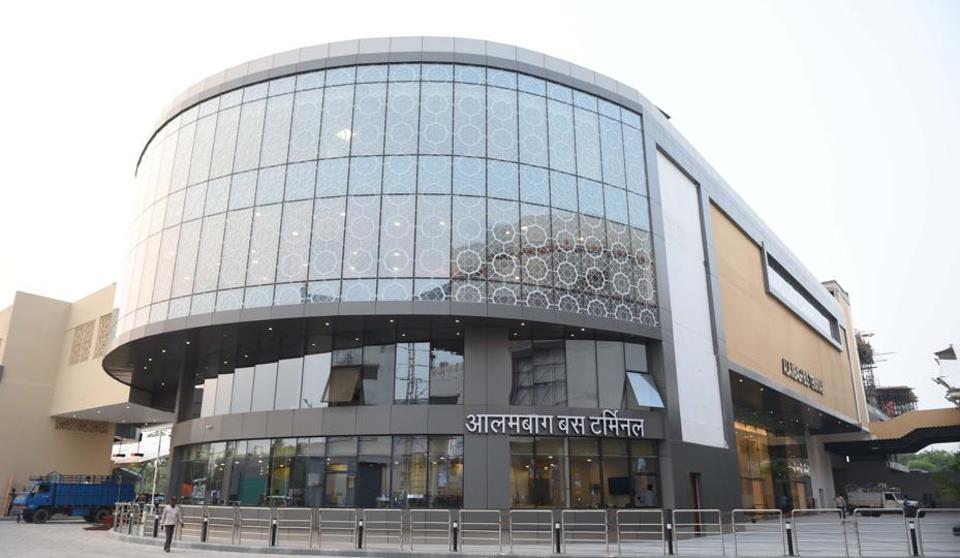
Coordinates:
<point>383,528</point>
<point>881,532</point>
<point>585,530</point>
<point>640,532</point>
<point>758,532</point>
<point>192,525</point>
<point>700,530</point>
<point>295,527</point>
<point>221,524</point>
<point>531,528</point>
<point>819,532</point>
<point>481,529</point>
<point>430,528</point>
<point>254,524</point>
<point>936,535</point>
<point>336,528</point>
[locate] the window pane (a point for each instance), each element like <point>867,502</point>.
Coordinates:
<point>288,384</point>
<point>446,373</point>
<point>208,406</point>
<point>409,472</point>
<point>202,150</point>
<point>264,242</point>
<point>326,243</point>
<point>617,487</point>
<point>276,130</point>
<point>316,373</point>
<point>446,472</point>
<point>344,387</point>
<point>633,156</point>
<point>644,390</point>
<point>610,372</point>
<point>283,491</point>
<point>249,136</point>
<point>403,107</point>
<point>533,130</point>
<point>433,236</point>
<point>225,142</point>
<point>305,131</point>
<point>378,372</point>
<point>252,486</point>
<point>335,134</point>
<point>360,244</point>
<point>365,175</point>
<point>373,472</point>
<point>224,393</point>
<point>539,373</point>
<point>233,260</point>
<point>469,120</point>
<point>611,142</point>
<point>588,144</point>
<point>396,236</point>
<point>560,120</point>
<point>368,119</point>
<point>242,390</point>
<point>585,486</point>
<point>502,122</point>
<point>582,379</point>
<point>294,241</point>
<point>413,373</point>
<point>436,118</point>
<point>635,356</point>
<point>469,237</point>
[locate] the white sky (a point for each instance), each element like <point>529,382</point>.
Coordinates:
<point>838,123</point>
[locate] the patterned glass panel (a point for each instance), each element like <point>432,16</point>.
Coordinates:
<point>360,243</point>
<point>433,236</point>
<point>396,236</point>
<point>326,244</point>
<point>294,254</point>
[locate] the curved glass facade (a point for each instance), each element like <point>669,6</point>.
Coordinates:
<point>395,182</point>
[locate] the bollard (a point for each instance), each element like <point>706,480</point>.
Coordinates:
<point>130,522</point>
<point>273,532</point>
<point>556,536</point>
<point>203,529</point>
<point>670,539</point>
<point>456,528</point>
<point>360,534</point>
<point>913,539</point>
<point>156,525</point>
<point>789,539</point>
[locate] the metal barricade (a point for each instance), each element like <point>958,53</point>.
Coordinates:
<point>640,532</point>
<point>531,528</point>
<point>254,525</point>
<point>937,531</point>
<point>336,528</point>
<point>430,528</point>
<point>584,529</point>
<point>481,529</point>
<point>701,532</point>
<point>295,527</point>
<point>383,528</point>
<point>819,532</point>
<point>881,532</point>
<point>758,532</point>
<point>120,515</point>
<point>192,527</point>
<point>222,523</point>
<point>148,517</point>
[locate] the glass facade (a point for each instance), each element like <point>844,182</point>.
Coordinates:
<point>335,471</point>
<point>393,182</point>
<point>597,473</point>
<point>774,468</point>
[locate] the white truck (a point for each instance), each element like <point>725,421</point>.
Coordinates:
<point>879,497</point>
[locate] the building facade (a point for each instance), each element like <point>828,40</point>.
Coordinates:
<point>436,272</point>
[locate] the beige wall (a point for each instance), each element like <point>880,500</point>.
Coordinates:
<point>84,385</point>
<point>760,331</point>
<point>31,441</point>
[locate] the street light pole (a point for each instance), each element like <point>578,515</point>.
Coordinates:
<point>156,467</point>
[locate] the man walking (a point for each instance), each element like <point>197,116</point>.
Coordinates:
<point>169,520</point>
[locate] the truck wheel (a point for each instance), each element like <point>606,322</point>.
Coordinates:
<point>100,515</point>
<point>41,516</point>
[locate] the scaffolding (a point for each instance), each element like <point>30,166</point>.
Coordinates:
<point>896,400</point>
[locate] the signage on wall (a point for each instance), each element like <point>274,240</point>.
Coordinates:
<point>801,376</point>
<point>607,424</point>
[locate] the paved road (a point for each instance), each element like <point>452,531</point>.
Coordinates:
<point>67,539</point>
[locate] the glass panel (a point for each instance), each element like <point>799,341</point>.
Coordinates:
<point>365,175</point>
<point>433,236</point>
<point>610,371</point>
<point>409,472</point>
<point>224,394</point>
<point>615,203</point>
<point>396,236</point>
<point>503,242</point>
<point>561,146</point>
<point>249,136</point>
<point>243,190</point>
<point>242,390</point>
<point>535,250</point>
<point>502,180</point>
<point>582,379</point>
<point>611,142</point>
<point>264,242</point>
<point>373,472</point>
<point>283,490</point>
<point>254,473</point>
<point>208,261</point>
<point>639,211</point>
<point>403,107</point>
<point>341,472</point>
<point>399,175</point>
<point>181,164</point>
<point>502,122</point>
<point>617,487</point>
<point>193,203</point>
<point>413,369</point>
<point>563,191</point>
<point>433,175</point>
<point>288,384</point>
<point>635,356</point>
<point>360,244</point>
<point>539,373</point>
<point>633,157</point>
<point>469,176</point>
<point>276,130</point>
<point>446,372</point>
<point>233,260</point>
<point>470,130</point>
<point>310,470</point>
<point>644,391</point>
<point>534,185</point>
<point>225,142</point>
<point>316,373</point>
<point>270,185</point>
<point>469,237</point>
<point>446,472</point>
<point>368,119</point>
<point>326,244</point>
<point>202,150</point>
<point>208,405</point>
<point>590,197</point>
<point>293,258</point>
<point>335,134</point>
<point>165,263</point>
<point>378,372</point>
<point>218,194</point>
<point>585,486</point>
<point>436,118</point>
<point>305,131</point>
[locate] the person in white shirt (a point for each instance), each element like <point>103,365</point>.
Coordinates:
<point>648,497</point>
<point>169,520</point>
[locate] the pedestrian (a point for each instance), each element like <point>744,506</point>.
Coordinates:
<point>170,519</point>
<point>648,498</point>
<point>841,504</point>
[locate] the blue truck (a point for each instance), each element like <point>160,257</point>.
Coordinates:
<point>89,496</point>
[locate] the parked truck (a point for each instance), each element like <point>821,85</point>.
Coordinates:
<point>89,496</point>
<point>879,497</point>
